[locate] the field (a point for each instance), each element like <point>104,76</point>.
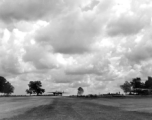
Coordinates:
<point>10,106</point>
<point>66,108</point>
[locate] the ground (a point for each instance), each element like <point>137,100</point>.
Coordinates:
<point>10,106</point>
<point>65,108</point>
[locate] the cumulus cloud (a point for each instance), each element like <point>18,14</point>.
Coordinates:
<point>97,66</point>
<point>40,57</point>
<point>125,25</point>
<point>141,44</point>
<point>91,5</point>
<point>59,76</point>
<point>96,44</point>
<point>77,84</point>
<point>72,34</point>
<point>131,17</point>
<point>10,53</point>
<point>29,10</point>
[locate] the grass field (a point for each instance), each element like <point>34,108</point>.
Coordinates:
<point>10,106</point>
<point>65,108</point>
<point>139,104</point>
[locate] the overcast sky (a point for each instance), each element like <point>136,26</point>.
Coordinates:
<point>95,44</point>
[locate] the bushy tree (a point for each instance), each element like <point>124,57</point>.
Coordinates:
<point>148,83</point>
<point>5,86</point>
<point>35,87</point>
<point>2,84</point>
<point>28,91</point>
<point>80,91</point>
<point>8,89</point>
<point>126,87</point>
<point>136,83</point>
<point>138,87</point>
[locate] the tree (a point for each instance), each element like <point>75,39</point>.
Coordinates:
<point>148,83</point>
<point>136,83</point>
<point>8,88</point>
<point>28,91</point>
<point>2,84</point>
<point>35,87</point>
<point>126,87</point>
<point>80,91</point>
<point>5,86</point>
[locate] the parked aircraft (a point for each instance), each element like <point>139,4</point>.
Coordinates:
<point>57,93</point>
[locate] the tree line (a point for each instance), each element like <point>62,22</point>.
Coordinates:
<point>34,87</point>
<point>136,86</point>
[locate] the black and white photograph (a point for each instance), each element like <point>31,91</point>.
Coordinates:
<point>75,60</point>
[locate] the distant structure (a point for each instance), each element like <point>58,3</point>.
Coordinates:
<point>57,93</point>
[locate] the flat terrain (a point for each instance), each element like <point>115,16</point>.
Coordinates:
<point>65,108</point>
<point>139,104</point>
<point>10,106</point>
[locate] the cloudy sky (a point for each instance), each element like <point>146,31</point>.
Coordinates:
<point>95,44</point>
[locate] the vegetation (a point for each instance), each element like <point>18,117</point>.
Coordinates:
<point>80,109</point>
<point>80,91</point>
<point>5,86</point>
<point>35,87</point>
<point>148,83</point>
<point>28,91</point>
<point>126,87</point>
<point>136,86</point>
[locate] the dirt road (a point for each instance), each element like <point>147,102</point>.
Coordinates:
<point>79,109</point>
